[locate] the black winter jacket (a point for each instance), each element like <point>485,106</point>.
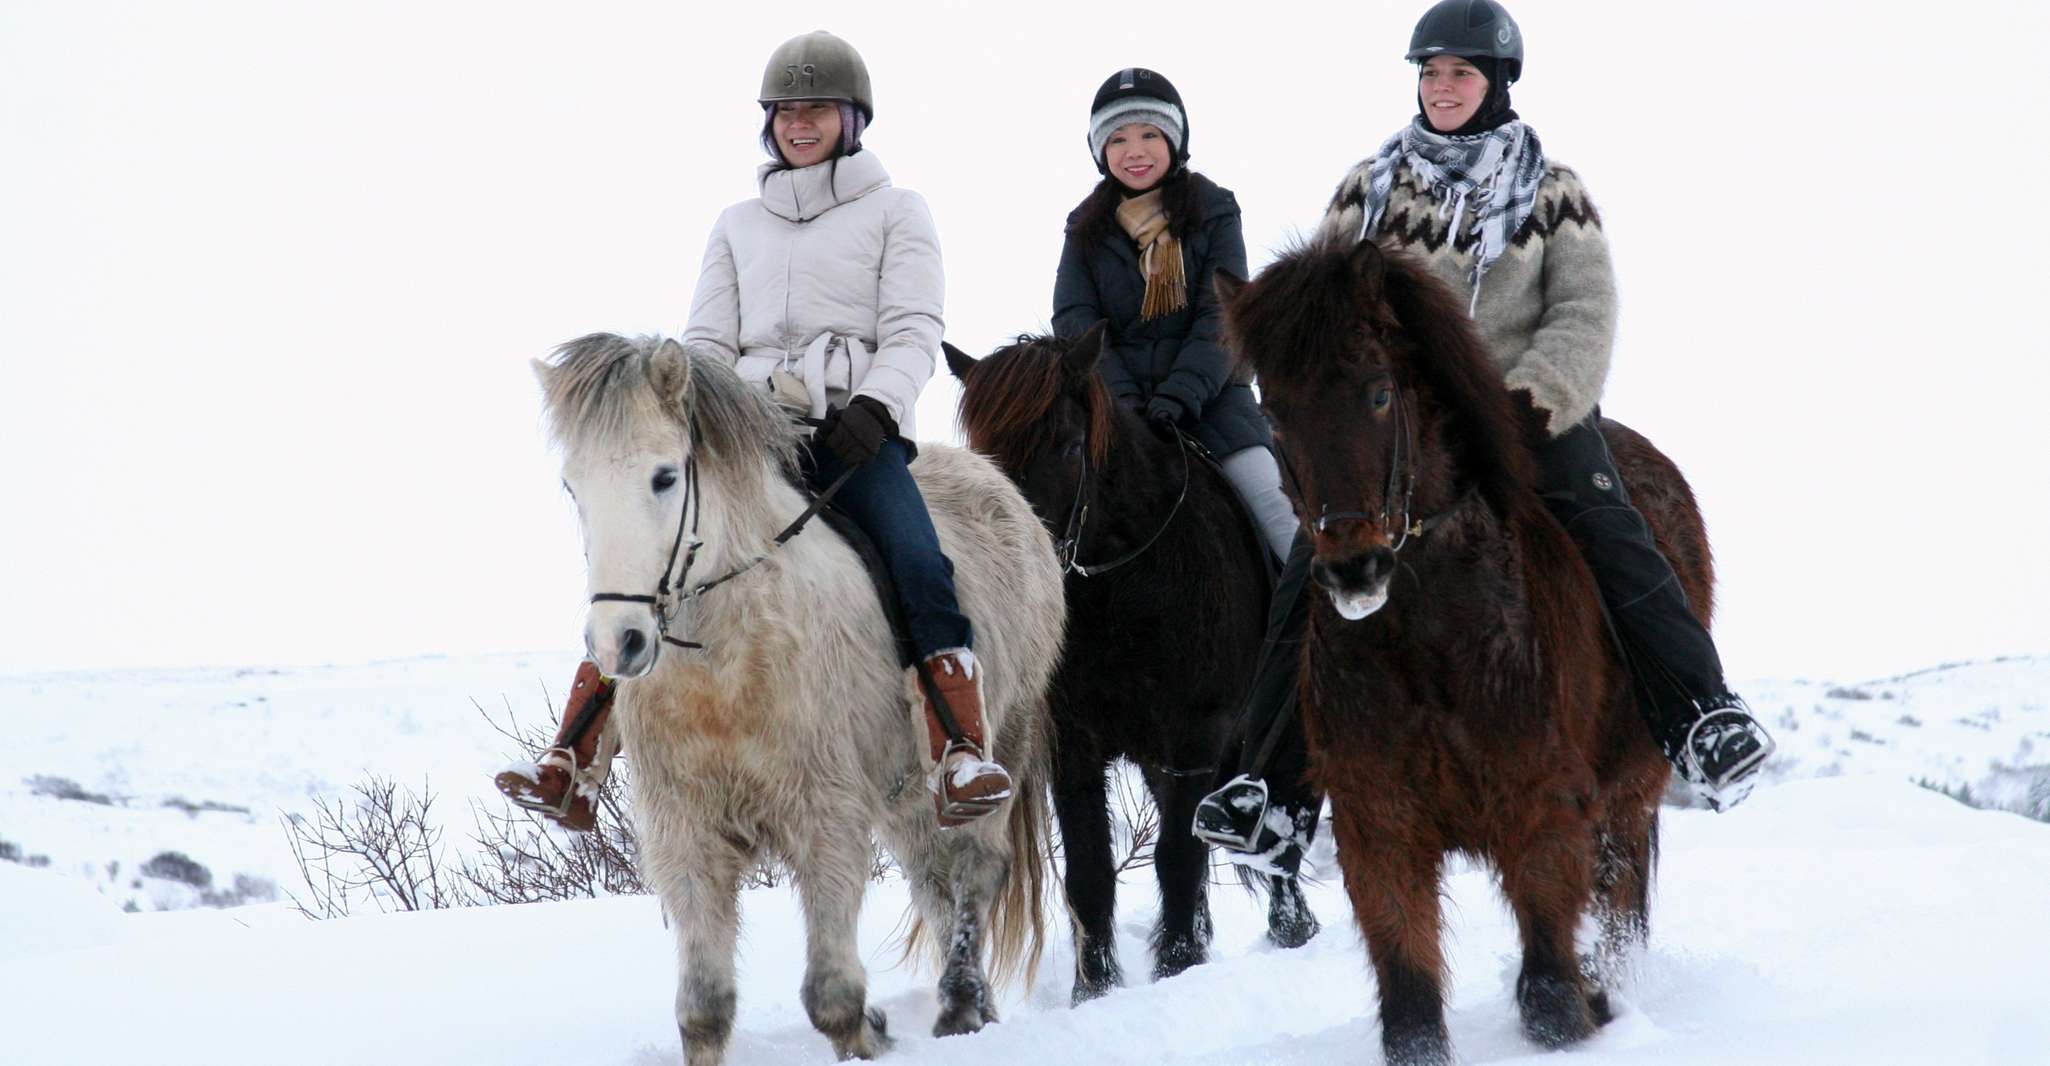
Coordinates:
<point>1181,354</point>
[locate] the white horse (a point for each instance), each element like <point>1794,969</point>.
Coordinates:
<point>793,733</point>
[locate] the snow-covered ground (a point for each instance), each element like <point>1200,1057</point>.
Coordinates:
<point>1842,915</point>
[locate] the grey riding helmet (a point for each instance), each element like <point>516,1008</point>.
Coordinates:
<point>818,66</point>
<point>1469,28</point>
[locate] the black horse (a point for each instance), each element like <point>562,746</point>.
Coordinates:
<point>1167,594</point>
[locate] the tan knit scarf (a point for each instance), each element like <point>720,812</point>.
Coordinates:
<point>1160,255</point>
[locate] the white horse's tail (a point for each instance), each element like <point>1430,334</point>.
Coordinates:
<point>1017,923</point>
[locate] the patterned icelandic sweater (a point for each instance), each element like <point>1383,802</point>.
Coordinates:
<point>1547,310</point>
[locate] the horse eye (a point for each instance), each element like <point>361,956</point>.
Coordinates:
<point>665,479</point>
<point>1073,449</point>
<point>1381,397</point>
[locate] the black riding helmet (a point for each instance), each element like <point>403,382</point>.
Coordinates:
<point>1482,33</point>
<point>1469,28</point>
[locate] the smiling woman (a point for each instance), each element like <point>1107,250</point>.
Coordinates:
<point>848,342</point>
<point>807,131</point>
<point>1467,189</point>
<point>1450,91</point>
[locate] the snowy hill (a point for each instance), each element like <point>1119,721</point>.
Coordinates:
<point>1982,727</point>
<point>104,771</point>
<point>1844,914</point>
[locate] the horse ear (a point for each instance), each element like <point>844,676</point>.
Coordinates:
<point>669,370</point>
<point>959,363</point>
<point>1228,286</point>
<point>1080,360</point>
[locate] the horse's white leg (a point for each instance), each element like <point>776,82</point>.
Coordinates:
<point>700,888</point>
<point>831,875</point>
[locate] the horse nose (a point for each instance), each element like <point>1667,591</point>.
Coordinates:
<point>1377,564</point>
<point>633,652</point>
<point>1366,570</point>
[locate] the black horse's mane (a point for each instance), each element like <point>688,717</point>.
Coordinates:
<point>1005,414</point>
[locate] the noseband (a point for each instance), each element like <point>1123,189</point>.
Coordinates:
<point>667,599</point>
<point>1070,543</point>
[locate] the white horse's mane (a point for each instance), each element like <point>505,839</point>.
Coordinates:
<point>600,388</point>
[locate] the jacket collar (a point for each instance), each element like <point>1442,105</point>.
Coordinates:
<point>805,194</point>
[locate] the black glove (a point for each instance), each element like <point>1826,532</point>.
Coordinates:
<point>1165,412</point>
<point>856,432</point>
<point>1532,418</point>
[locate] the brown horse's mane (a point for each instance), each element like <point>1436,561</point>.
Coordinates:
<point>1005,414</point>
<point>1314,292</point>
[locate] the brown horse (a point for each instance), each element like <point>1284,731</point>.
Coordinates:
<point>1461,695</point>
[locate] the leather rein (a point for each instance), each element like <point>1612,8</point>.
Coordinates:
<point>1069,546</point>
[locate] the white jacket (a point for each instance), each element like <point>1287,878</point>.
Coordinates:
<point>831,274</point>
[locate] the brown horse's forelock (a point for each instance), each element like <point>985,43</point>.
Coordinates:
<point>1005,401</point>
<point>1286,320</point>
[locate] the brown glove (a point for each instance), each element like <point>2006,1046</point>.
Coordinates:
<point>856,432</point>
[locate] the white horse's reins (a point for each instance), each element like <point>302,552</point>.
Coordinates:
<point>666,599</point>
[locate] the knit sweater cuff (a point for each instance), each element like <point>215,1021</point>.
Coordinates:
<point>1562,409</point>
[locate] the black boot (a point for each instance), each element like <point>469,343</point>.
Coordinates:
<point>1708,734</point>
<point>1723,752</point>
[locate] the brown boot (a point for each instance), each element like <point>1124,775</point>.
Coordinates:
<point>565,779</point>
<point>965,784</point>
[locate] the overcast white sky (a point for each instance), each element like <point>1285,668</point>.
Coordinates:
<point>270,276</point>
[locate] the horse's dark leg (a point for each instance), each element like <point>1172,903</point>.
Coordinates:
<point>1181,865</point>
<point>1392,879</point>
<point>1548,878</point>
<point>1290,923</point>
<point>1626,854</point>
<point>964,993</point>
<point>1082,807</point>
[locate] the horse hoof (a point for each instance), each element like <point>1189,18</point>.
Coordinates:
<point>1598,1005</point>
<point>1295,931</point>
<point>1096,972</point>
<point>1177,955</point>
<point>1290,923</point>
<point>871,1037</point>
<point>1556,1013</point>
<point>967,1018</point>
<point>877,1025</point>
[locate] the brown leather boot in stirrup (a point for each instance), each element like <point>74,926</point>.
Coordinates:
<point>965,784</point>
<point>564,781</point>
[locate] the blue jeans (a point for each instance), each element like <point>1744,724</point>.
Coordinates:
<point>884,501</point>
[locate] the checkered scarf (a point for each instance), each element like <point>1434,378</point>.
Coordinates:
<point>1495,173</point>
